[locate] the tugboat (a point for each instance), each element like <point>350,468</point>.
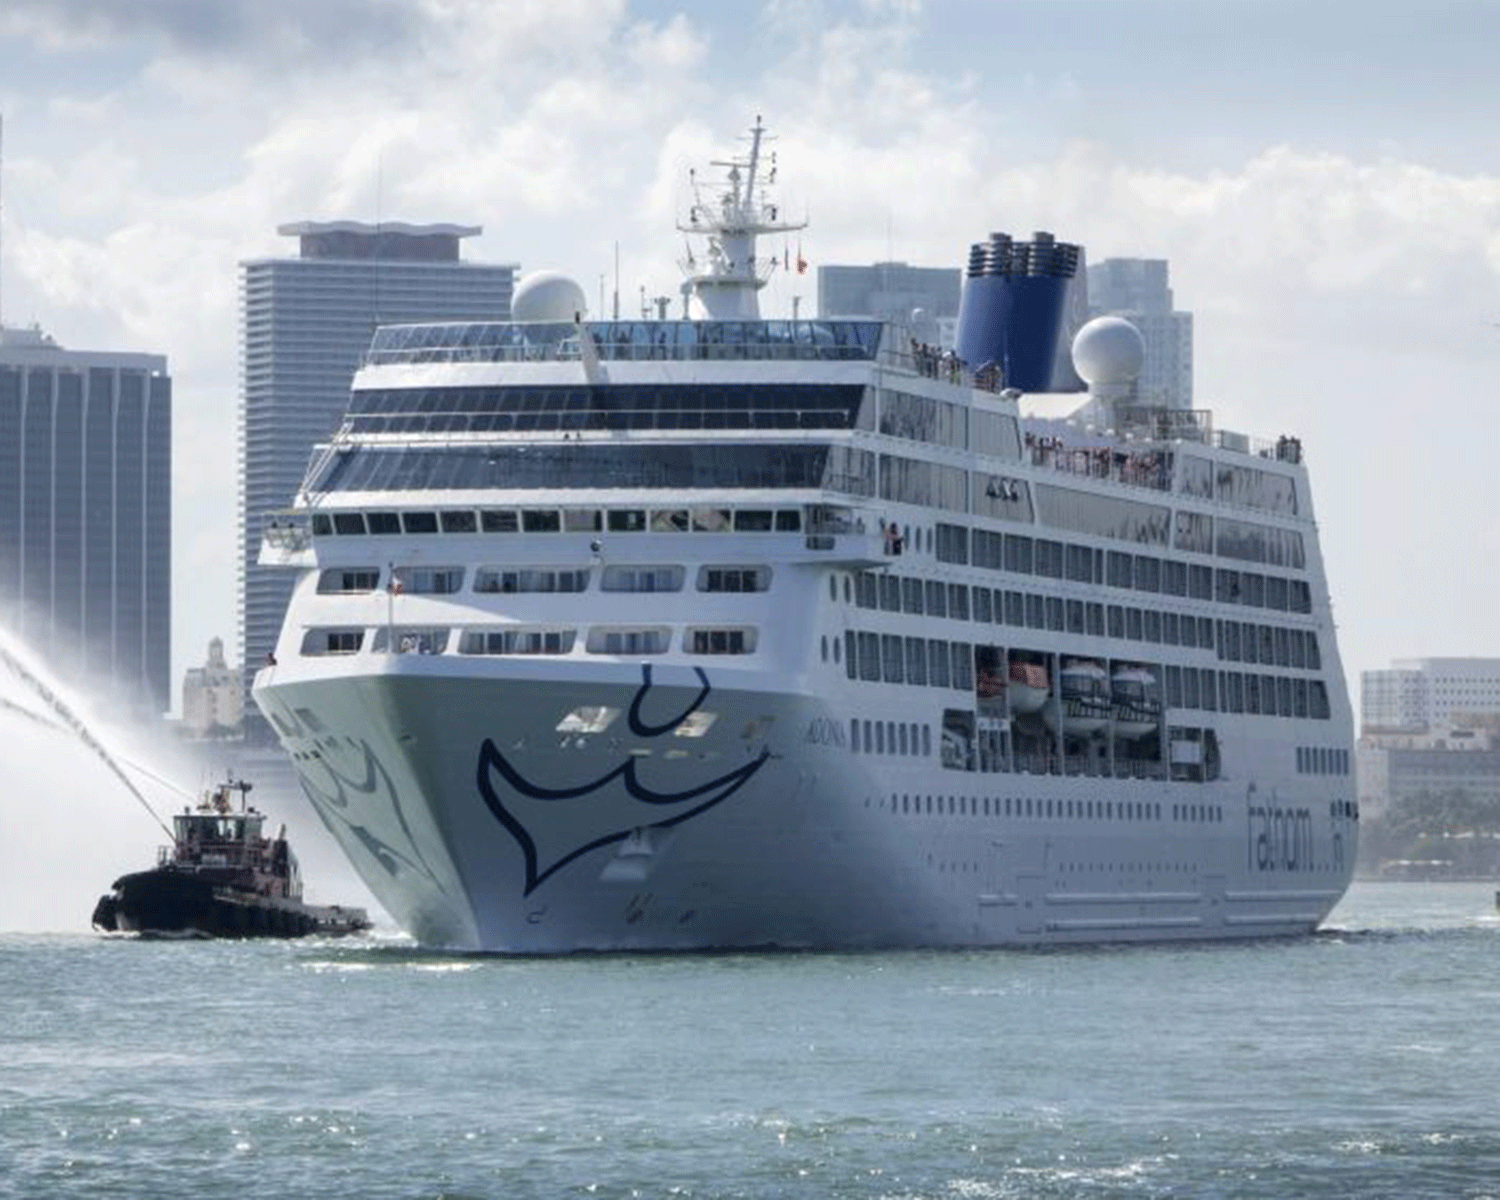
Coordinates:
<point>221,878</point>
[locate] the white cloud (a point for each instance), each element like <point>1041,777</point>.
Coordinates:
<point>564,125</point>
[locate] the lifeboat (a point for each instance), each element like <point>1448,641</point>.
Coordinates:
<point>1136,711</point>
<point>1029,687</point>
<point>1086,707</point>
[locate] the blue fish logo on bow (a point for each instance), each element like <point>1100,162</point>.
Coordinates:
<point>553,832</point>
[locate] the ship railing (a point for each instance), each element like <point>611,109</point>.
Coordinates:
<point>1135,468</point>
<point>1282,449</point>
<point>627,341</point>
<point>1163,424</point>
<point>933,362</point>
<point>286,532</point>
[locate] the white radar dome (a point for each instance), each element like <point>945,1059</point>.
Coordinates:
<point>1108,350</point>
<point>547,296</point>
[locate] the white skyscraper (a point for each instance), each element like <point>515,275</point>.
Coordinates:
<point>1137,289</point>
<point>306,324</point>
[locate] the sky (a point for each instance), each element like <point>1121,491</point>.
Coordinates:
<point>1324,179</point>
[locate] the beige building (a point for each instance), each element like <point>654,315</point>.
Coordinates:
<point>213,697</point>
<point>1429,725</point>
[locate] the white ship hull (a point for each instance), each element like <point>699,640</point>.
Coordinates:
<point>479,826</point>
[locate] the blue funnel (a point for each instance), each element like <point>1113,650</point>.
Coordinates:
<point>1012,307</point>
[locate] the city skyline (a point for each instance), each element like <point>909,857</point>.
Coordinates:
<point>1328,213</point>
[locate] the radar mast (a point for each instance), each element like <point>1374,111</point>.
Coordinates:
<point>729,214</point>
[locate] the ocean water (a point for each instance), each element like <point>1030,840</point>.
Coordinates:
<point>1362,1061</point>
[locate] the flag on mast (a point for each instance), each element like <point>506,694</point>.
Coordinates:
<point>801,262</point>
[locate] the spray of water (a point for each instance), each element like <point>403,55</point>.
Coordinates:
<point>71,818</point>
<point>55,712</point>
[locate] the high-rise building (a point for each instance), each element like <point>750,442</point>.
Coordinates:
<point>86,513</point>
<point>925,298</point>
<point>1137,289</point>
<point>306,322</point>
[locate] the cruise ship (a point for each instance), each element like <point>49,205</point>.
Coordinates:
<point>731,632</point>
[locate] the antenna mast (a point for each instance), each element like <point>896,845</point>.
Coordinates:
<point>729,214</point>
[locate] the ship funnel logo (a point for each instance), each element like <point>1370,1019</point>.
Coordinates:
<point>553,825</point>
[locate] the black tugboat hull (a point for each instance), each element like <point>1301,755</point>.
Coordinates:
<point>169,903</point>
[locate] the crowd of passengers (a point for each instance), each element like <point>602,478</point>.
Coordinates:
<point>936,363</point>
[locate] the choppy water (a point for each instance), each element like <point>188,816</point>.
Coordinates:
<point>1360,1062</point>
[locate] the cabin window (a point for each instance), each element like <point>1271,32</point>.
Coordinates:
<point>318,642</point>
<point>628,640</point>
<point>958,601</point>
<point>348,581</point>
<point>891,658</point>
<point>626,520</point>
<point>383,522</point>
<point>916,660</point>
<point>458,520</point>
<point>753,520</point>
<point>499,520</point>
<point>410,640</point>
<point>712,520</point>
<point>507,580</point>
<point>736,579</point>
<point>540,520</point>
<point>419,522</point>
<point>982,609</point>
<point>642,579</point>
<point>719,641</point>
<point>429,581</point>
<point>581,520</point>
<point>517,641</point>
<point>348,522</point>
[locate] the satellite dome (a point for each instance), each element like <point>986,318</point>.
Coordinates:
<point>1108,350</point>
<point>547,296</point>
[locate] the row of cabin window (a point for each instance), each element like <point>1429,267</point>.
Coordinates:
<point>891,658</point>
<point>444,581</point>
<point>1023,555</point>
<point>1018,806</point>
<point>930,662</point>
<point>889,737</point>
<point>1322,760</point>
<point>567,520</point>
<point>1269,645</point>
<point>600,640</point>
<point>1252,643</point>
